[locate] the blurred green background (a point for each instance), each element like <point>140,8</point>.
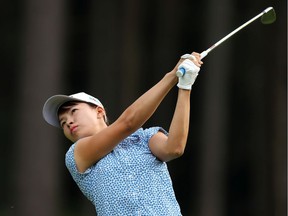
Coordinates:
<point>235,160</point>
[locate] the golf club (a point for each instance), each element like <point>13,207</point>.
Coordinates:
<point>268,16</point>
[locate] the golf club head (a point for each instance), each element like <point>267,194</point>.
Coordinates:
<point>269,16</point>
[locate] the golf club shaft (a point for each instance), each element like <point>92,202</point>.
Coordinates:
<point>205,53</point>
<point>181,71</point>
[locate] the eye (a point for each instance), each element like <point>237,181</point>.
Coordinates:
<point>62,123</point>
<point>73,110</point>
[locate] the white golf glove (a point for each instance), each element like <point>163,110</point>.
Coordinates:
<point>191,72</point>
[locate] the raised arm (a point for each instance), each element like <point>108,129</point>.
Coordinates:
<point>171,147</point>
<point>91,149</point>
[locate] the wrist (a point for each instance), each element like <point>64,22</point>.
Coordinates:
<point>184,90</point>
<point>172,76</point>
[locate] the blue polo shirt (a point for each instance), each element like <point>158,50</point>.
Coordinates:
<point>130,180</point>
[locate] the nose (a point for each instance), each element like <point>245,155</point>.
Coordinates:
<point>69,121</point>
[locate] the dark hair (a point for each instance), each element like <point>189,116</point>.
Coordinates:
<point>66,106</point>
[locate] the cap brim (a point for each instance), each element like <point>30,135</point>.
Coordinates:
<point>51,107</point>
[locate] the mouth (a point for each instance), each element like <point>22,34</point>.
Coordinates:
<point>73,129</point>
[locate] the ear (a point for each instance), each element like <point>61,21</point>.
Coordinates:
<point>100,112</point>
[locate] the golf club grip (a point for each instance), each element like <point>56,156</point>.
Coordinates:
<point>181,71</point>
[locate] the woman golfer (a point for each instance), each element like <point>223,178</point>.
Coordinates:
<point>121,168</point>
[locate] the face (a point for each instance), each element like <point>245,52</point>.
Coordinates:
<point>80,120</point>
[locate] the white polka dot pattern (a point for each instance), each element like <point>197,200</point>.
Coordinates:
<point>128,181</point>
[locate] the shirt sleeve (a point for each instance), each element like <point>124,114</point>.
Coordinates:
<point>149,132</point>
<point>71,165</point>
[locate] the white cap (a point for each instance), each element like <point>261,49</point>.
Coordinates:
<point>52,105</point>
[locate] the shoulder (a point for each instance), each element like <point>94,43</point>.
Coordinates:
<point>69,159</point>
<point>71,165</point>
<point>149,132</point>
<point>69,156</point>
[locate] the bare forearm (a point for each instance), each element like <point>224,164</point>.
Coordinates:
<point>179,127</point>
<point>143,108</point>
